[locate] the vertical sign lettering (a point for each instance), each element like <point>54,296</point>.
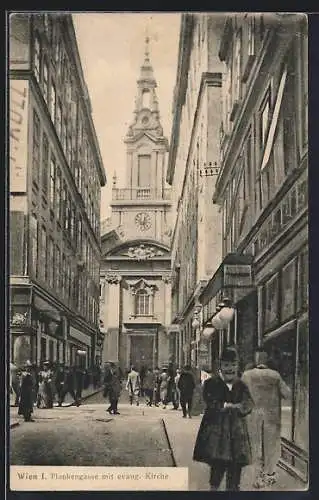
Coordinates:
<point>18,144</point>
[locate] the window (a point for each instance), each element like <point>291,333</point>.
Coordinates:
<point>43,259</point>
<point>144,171</point>
<point>34,243</point>
<point>52,183</point>
<point>51,351</point>
<point>43,349</point>
<point>143,303</point>
<point>146,99</point>
<point>237,67</point>
<point>36,148</point>
<point>45,81</point>
<point>58,124</point>
<point>37,58</point>
<point>45,163</point>
<point>251,35</point>
<point>303,280</point>
<point>51,263</point>
<point>58,269</point>
<point>264,119</point>
<point>63,281</point>
<point>288,281</point>
<point>58,203</point>
<point>271,310</point>
<point>52,102</point>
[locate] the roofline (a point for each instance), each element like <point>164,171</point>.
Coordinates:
<point>184,51</point>
<point>85,96</point>
<point>140,241</point>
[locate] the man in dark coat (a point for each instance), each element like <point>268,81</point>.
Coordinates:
<point>115,389</point>
<point>222,441</point>
<point>26,393</point>
<point>186,385</point>
<point>68,385</point>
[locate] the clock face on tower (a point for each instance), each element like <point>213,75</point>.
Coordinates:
<point>143,221</point>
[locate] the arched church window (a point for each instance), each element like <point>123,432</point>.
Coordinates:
<point>143,303</point>
<point>146,99</point>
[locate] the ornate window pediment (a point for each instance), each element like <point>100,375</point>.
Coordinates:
<point>143,252</point>
<point>142,285</point>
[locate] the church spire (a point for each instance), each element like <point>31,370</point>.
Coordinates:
<point>146,73</point>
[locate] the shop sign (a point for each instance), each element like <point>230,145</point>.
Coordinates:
<point>85,338</point>
<point>237,275</point>
<point>18,126</point>
<point>173,329</point>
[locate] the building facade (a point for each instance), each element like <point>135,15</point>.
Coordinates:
<point>56,174</point>
<point>262,189</point>
<point>193,168</point>
<point>135,268</point>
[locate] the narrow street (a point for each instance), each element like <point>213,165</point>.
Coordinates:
<point>89,436</point>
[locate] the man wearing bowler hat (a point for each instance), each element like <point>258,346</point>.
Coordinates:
<point>222,441</point>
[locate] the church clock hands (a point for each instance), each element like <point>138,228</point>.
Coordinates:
<point>143,221</point>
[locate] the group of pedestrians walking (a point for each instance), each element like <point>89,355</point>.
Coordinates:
<point>157,387</point>
<point>241,423</point>
<point>44,385</point>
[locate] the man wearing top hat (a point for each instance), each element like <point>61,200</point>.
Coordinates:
<point>222,441</point>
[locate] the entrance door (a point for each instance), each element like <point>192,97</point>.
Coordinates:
<point>142,347</point>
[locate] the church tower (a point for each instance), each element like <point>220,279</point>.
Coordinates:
<point>142,207</point>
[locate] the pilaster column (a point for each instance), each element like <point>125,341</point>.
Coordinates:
<point>260,315</point>
<point>167,279</point>
<point>113,281</point>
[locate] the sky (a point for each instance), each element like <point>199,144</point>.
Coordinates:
<point>111,47</point>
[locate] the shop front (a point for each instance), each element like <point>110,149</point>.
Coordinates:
<point>79,348</point>
<point>231,286</point>
<point>285,336</point>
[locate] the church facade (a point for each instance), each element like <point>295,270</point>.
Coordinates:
<point>135,279</point>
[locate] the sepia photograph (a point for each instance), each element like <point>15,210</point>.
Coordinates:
<point>158,332</point>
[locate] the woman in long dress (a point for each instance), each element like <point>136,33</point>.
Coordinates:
<point>45,393</point>
<point>133,385</point>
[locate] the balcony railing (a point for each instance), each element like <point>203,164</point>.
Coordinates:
<point>141,193</point>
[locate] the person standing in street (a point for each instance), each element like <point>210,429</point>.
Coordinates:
<point>133,385</point>
<point>186,385</point>
<point>177,392</point>
<point>68,385</point>
<point>157,385</point>
<point>26,394</point>
<point>115,389</point>
<point>45,393</point>
<point>149,385</point>
<point>15,383</point>
<point>79,375</point>
<point>164,387</point>
<point>222,440</point>
<point>107,382</point>
<point>264,424</point>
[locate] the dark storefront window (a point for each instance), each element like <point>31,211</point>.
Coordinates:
<point>301,432</point>
<point>282,351</point>
<point>51,350</point>
<point>288,279</point>
<point>271,297</point>
<point>43,349</point>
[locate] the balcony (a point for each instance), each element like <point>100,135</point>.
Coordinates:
<point>140,193</point>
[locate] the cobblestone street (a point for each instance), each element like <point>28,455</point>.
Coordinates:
<point>89,436</point>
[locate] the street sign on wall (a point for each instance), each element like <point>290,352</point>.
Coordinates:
<point>18,127</point>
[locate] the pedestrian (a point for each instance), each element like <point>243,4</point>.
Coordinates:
<point>26,393</point>
<point>186,385</point>
<point>133,385</point>
<point>142,377</point>
<point>59,382</point>
<point>68,385</point>
<point>164,387</point>
<point>264,424</point>
<point>149,385</point>
<point>170,382</point>
<point>79,377</point>
<point>222,440</point>
<point>45,393</point>
<point>177,392</point>
<point>157,385</point>
<point>15,383</point>
<point>107,382</point>
<point>115,389</point>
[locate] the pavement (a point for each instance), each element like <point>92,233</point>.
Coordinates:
<point>181,435</point>
<point>15,420</point>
